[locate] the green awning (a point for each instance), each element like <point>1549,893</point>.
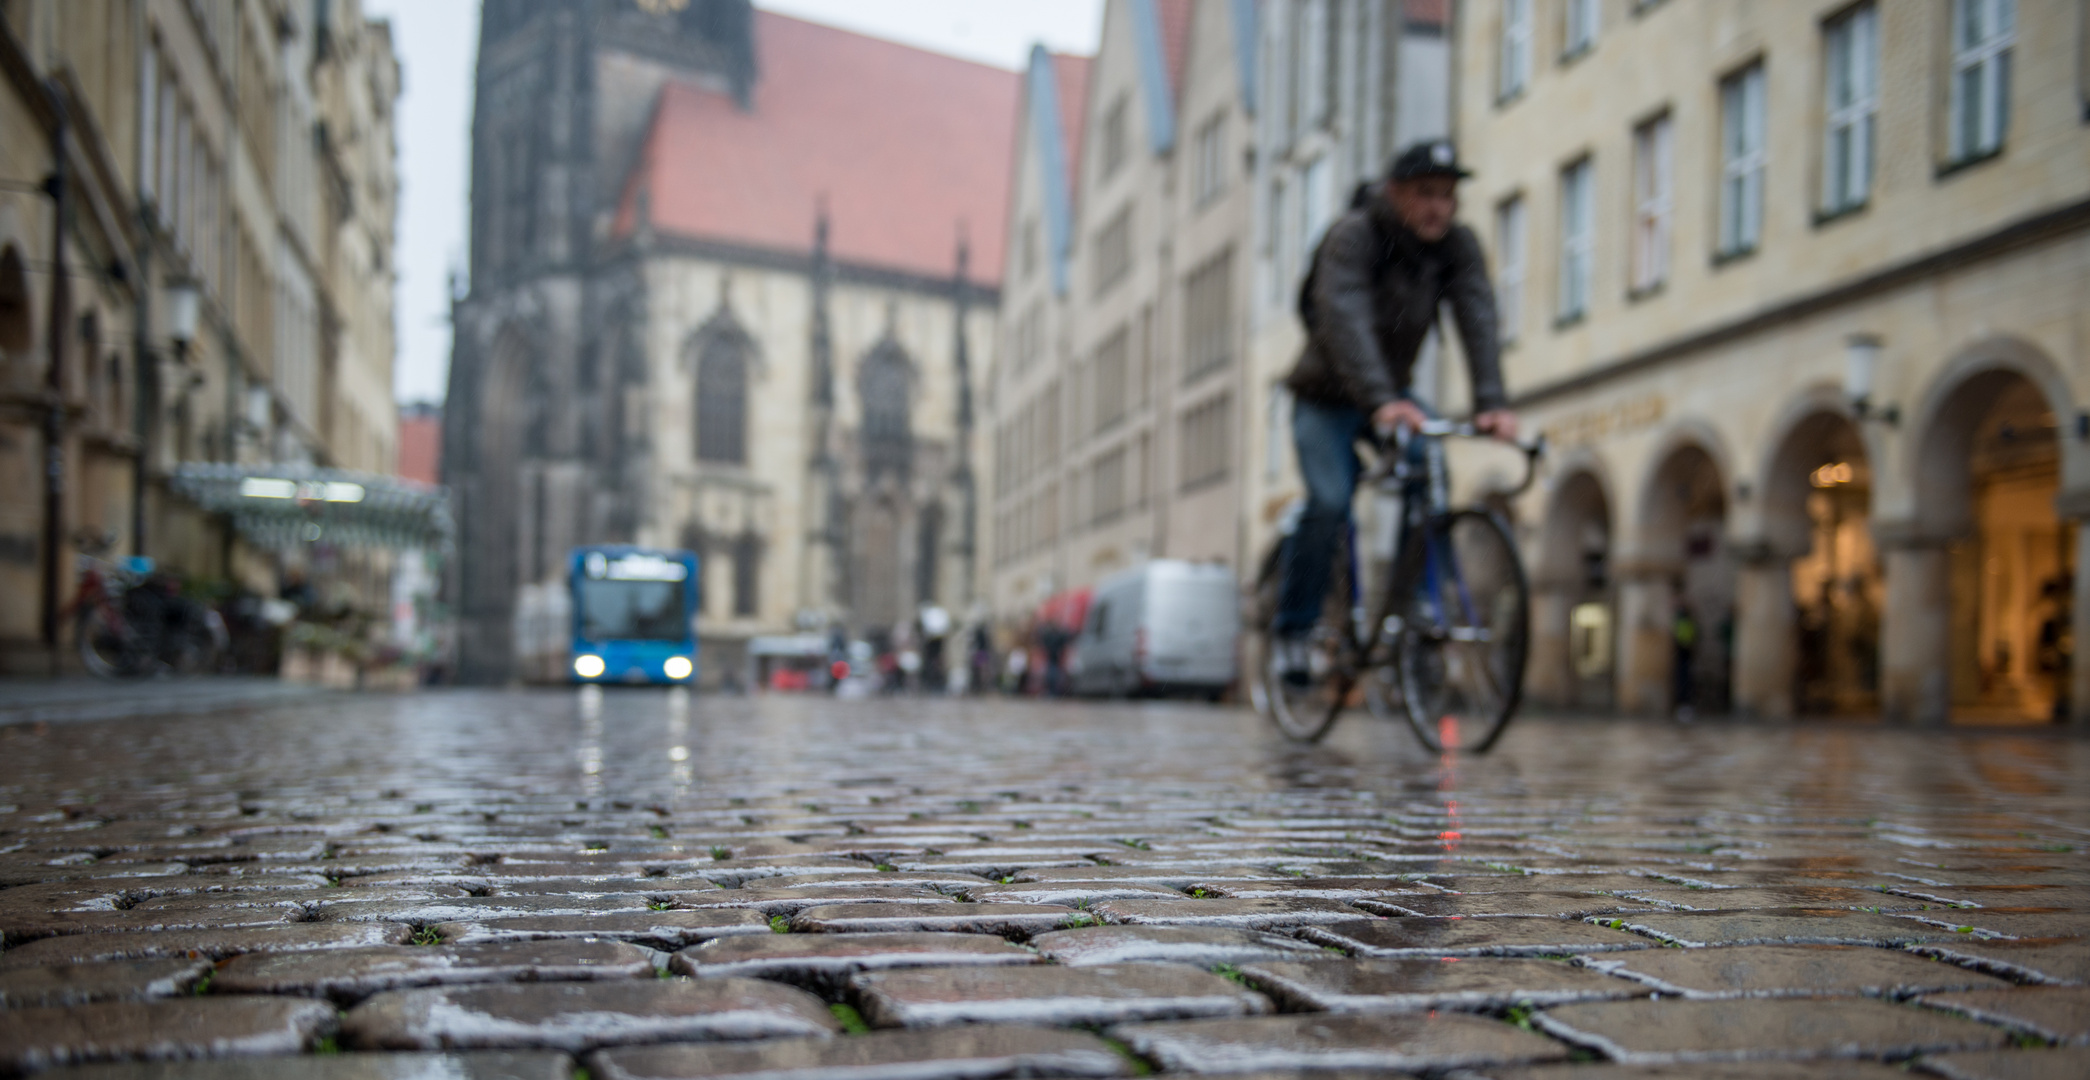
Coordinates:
<point>286,506</point>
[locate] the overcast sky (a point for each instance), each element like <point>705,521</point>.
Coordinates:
<point>435,39</point>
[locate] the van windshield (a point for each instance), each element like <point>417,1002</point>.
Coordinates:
<point>632,611</point>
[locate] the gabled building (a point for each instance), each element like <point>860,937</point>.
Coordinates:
<point>1118,392</point>
<point>1167,195</point>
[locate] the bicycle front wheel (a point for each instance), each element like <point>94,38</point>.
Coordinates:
<point>1464,633</point>
<point>105,645</point>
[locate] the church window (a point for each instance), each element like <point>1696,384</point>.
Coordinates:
<point>884,385</point>
<point>722,399</point>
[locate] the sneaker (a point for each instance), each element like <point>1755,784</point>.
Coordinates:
<point>1294,660</point>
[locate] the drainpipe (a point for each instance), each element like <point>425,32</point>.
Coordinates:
<point>54,382</point>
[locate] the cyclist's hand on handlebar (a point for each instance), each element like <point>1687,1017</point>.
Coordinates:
<point>1397,416</point>
<point>1501,423</point>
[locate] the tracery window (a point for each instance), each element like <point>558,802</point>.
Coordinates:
<point>723,357</point>
<point>884,385</point>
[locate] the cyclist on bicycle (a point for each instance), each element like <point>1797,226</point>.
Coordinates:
<point>1368,302</point>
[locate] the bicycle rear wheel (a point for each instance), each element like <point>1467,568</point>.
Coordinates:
<point>106,649</point>
<point>1303,708</point>
<point>1464,633</point>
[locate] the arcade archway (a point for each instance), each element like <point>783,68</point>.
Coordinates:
<point>1981,596</point>
<point>1676,598</point>
<point>1814,647</point>
<point>1574,625</point>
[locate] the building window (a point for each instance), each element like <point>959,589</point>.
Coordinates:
<point>1509,266</point>
<point>1107,487</point>
<point>1653,199</point>
<point>1027,248</point>
<point>1583,21</point>
<point>928,568</point>
<point>1515,58</point>
<point>1112,360</point>
<point>1208,317</point>
<point>1204,443</point>
<point>1316,206</point>
<point>17,322</point>
<point>1210,163</point>
<point>1113,251</point>
<point>1278,243</point>
<point>722,400</point>
<point>1115,140</point>
<point>1577,238</point>
<point>1741,160</point>
<point>1851,45</point>
<point>1030,336</point>
<point>1311,70</point>
<point>1277,431</point>
<point>1983,32</point>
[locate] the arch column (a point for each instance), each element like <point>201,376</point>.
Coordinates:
<point>1765,632</point>
<point>2075,506</point>
<point>1549,676</point>
<point>1646,649</point>
<point>1915,627</point>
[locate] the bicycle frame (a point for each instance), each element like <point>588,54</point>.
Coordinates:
<point>1398,471</point>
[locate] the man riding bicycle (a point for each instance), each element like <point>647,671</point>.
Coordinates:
<point>1369,301</point>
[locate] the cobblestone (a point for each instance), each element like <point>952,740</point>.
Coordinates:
<point>527,871</point>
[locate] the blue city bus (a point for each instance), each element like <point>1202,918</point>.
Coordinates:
<point>634,615</point>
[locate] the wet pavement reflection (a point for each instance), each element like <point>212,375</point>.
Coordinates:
<point>797,870</point>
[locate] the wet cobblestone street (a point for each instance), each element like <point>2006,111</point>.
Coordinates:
<point>645,884</point>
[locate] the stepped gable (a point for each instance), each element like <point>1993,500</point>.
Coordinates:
<point>901,143</point>
<point>1071,74</point>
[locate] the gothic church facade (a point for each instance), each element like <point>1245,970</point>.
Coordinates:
<point>732,274</point>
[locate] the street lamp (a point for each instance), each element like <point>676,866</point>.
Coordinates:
<point>1861,355</point>
<point>184,301</point>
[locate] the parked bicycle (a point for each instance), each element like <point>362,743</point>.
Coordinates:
<point>1445,642</point>
<point>130,620</point>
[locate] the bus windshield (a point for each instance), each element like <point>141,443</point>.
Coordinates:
<point>632,610</point>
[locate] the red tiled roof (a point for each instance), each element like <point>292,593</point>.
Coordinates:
<point>1426,12</point>
<point>421,447</point>
<point>1071,73</point>
<point>1175,39</point>
<point>903,145</point>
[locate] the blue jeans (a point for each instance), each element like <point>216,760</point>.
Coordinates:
<point>1325,437</point>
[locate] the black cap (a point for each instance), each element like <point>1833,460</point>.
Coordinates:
<point>1437,157</point>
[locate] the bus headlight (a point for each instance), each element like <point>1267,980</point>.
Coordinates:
<point>589,666</point>
<point>677,667</point>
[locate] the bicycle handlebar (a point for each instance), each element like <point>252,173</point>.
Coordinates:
<point>1533,448</point>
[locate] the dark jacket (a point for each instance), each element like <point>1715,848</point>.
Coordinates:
<point>1372,297</point>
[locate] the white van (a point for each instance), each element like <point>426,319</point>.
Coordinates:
<point>1165,627</point>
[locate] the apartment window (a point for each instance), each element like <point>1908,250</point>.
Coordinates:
<point>1208,317</point>
<point>1583,20</point>
<point>1279,243</point>
<point>1741,160</point>
<point>1515,59</point>
<point>1311,70</point>
<point>1210,163</point>
<point>1509,266</point>
<point>1030,336</point>
<point>1653,202</point>
<point>1851,45</point>
<point>1142,461</point>
<point>1577,238</point>
<point>1113,251</point>
<point>1112,359</point>
<point>1114,137</point>
<point>1983,32</point>
<point>1107,487</point>
<point>1204,441</point>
